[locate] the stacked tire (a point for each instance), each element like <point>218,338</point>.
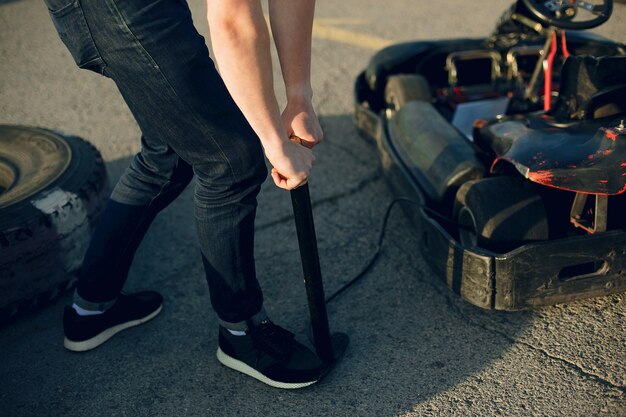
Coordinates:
<point>52,189</point>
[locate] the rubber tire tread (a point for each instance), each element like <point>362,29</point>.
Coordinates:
<point>402,88</point>
<point>32,270</point>
<point>507,210</point>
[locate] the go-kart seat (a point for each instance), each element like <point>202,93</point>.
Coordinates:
<point>579,152</point>
<point>591,88</point>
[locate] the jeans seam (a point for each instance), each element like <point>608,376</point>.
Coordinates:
<point>169,84</point>
<point>100,60</point>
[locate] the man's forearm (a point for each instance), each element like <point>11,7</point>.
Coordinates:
<point>241,45</point>
<point>292,22</point>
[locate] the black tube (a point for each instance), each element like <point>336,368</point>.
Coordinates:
<point>307,243</point>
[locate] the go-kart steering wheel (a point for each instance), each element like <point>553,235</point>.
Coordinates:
<point>559,13</point>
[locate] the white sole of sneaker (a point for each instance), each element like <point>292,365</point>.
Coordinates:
<point>242,367</point>
<point>100,338</point>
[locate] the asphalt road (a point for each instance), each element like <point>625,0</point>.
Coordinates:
<point>416,348</point>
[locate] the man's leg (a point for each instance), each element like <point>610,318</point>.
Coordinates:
<point>154,179</point>
<point>161,66</point>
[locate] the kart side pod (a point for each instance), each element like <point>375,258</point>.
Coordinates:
<point>437,155</point>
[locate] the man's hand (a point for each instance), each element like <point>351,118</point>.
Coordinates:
<point>291,164</point>
<point>299,119</point>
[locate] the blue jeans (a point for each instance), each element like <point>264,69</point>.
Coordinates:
<point>190,125</point>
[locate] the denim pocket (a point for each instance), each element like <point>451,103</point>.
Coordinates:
<point>69,21</point>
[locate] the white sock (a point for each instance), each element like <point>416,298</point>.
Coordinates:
<point>82,312</point>
<point>237,332</point>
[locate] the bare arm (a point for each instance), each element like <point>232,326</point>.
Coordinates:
<point>292,22</point>
<point>241,44</point>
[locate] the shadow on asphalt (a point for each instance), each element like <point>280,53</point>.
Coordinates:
<point>411,338</point>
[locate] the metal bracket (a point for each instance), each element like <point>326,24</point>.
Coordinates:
<point>513,72</point>
<point>536,26</point>
<point>600,211</point>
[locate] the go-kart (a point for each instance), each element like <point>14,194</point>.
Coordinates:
<point>514,149</point>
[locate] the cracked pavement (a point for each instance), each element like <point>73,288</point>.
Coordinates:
<point>416,348</point>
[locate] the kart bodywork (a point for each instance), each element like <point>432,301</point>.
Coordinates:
<point>471,143</point>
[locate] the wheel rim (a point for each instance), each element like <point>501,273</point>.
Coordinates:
<point>30,160</point>
<point>468,234</point>
<point>8,175</point>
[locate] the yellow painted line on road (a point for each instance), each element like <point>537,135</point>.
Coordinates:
<point>341,21</point>
<point>324,29</point>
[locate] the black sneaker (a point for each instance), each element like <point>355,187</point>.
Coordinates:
<point>87,332</point>
<point>270,354</point>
